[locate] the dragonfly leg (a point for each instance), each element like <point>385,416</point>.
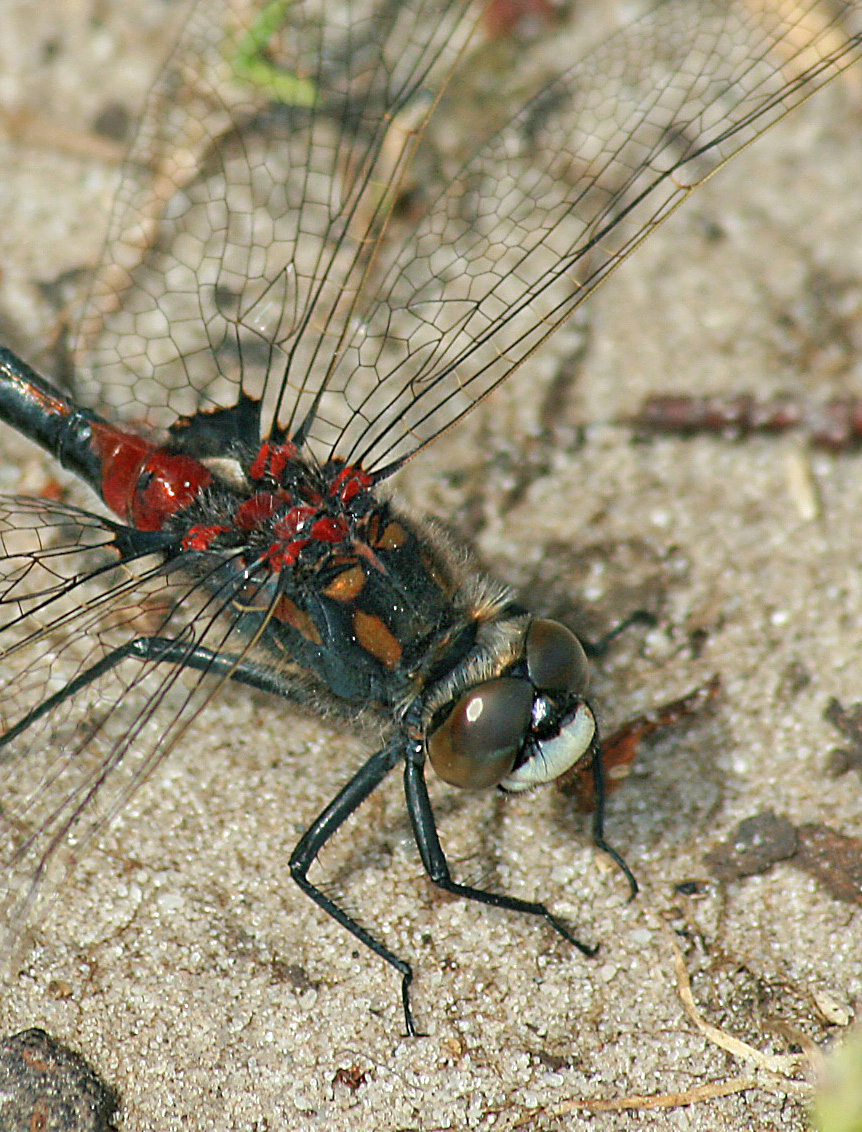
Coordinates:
<point>437,868</point>
<point>154,649</point>
<point>596,648</point>
<point>363,783</point>
<point>598,768</point>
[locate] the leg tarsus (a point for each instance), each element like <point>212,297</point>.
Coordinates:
<point>412,1032</point>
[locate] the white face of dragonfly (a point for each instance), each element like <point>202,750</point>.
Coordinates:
<point>521,730</point>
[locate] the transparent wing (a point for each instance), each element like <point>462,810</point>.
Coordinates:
<point>251,203</point>
<point>533,222</point>
<point>84,720</point>
<point>329,232</point>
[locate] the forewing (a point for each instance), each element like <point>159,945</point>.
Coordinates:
<point>348,249</point>
<point>249,206</point>
<point>563,192</point>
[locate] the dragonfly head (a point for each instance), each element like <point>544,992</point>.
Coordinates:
<point>522,727</point>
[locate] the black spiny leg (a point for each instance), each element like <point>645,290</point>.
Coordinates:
<point>598,766</point>
<point>350,798</point>
<point>162,650</point>
<point>437,868</point>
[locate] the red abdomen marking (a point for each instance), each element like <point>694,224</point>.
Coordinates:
<point>144,484</point>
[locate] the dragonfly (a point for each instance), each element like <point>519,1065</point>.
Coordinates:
<point>308,278</point>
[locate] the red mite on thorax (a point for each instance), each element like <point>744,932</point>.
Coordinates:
<point>297,519</point>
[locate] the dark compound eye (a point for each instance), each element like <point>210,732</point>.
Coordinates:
<point>555,660</point>
<point>476,745</point>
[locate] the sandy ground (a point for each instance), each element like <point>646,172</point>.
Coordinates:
<point>182,962</point>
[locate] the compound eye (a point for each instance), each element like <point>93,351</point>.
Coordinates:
<point>555,660</point>
<point>477,744</point>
